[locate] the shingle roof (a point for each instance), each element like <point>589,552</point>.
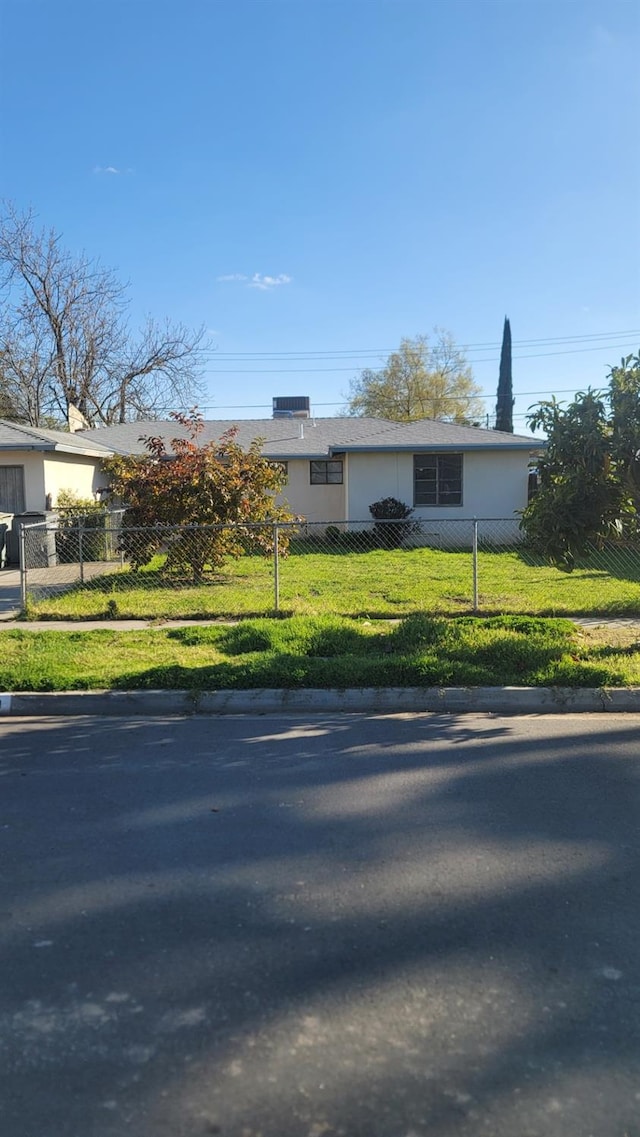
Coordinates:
<point>431,434</point>
<point>317,437</point>
<point>15,436</point>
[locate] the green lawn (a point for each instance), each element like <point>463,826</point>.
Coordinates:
<point>320,652</point>
<point>378,584</point>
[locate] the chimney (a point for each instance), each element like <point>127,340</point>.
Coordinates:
<point>76,419</point>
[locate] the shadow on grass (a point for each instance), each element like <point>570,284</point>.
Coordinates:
<point>290,672</point>
<point>420,651</point>
<point>151,580</point>
<point>620,561</point>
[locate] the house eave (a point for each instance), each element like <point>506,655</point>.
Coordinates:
<point>13,448</point>
<point>53,448</point>
<point>307,456</point>
<point>418,448</point>
<point>89,452</point>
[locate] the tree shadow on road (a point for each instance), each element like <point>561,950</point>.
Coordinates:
<point>420,924</point>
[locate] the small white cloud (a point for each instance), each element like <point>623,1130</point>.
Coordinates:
<point>258,280</point>
<point>110,170</point>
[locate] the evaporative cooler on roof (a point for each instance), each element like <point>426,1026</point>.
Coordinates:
<point>292,406</point>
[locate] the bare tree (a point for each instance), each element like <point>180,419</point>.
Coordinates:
<point>65,339</point>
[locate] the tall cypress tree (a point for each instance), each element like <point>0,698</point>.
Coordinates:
<point>504,405</point>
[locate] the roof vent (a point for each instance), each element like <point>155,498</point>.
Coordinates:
<point>291,406</point>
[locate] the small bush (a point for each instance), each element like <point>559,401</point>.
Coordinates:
<point>78,513</point>
<point>391,525</point>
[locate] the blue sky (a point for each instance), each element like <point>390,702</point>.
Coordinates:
<point>359,171</point>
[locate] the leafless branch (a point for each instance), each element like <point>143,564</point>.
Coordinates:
<point>64,337</point>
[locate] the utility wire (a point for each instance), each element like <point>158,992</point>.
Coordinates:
<point>312,370</point>
<point>360,352</point>
<point>341,402</point>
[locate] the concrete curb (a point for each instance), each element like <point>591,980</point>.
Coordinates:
<point>370,700</point>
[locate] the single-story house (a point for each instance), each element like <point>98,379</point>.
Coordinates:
<point>337,467</point>
<point>37,464</point>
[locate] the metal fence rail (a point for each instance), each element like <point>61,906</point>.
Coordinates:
<point>376,568</point>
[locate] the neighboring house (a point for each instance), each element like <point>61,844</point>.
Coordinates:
<point>36,464</point>
<point>336,467</point>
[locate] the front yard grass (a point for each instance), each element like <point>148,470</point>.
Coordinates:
<point>377,584</point>
<point>322,652</point>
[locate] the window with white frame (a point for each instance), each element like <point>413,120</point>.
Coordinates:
<point>437,479</point>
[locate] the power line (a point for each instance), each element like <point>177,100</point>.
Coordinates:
<point>485,345</point>
<point>341,402</point>
<point>313,370</point>
<point>480,344</point>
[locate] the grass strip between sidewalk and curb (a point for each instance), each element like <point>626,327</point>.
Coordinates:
<point>322,653</point>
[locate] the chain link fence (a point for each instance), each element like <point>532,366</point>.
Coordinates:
<point>55,556</point>
<point>361,568</point>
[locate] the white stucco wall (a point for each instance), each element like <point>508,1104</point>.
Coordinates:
<point>66,472</point>
<point>494,484</point>
<point>49,473</point>
<point>314,503</point>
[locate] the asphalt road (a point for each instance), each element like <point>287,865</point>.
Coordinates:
<point>403,926</point>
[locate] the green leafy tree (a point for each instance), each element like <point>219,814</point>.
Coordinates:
<point>504,404</point>
<point>581,497</point>
<point>422,379</point>
<point>215,493</point>
<point>624,396</point>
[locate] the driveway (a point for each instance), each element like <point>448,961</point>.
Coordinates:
<point>400,926</point>
<point>9,593</point>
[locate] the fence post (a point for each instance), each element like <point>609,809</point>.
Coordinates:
<point>23,567</point>
<point>276,569</point>
<point>476,604</point>
<point>80,528</point>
